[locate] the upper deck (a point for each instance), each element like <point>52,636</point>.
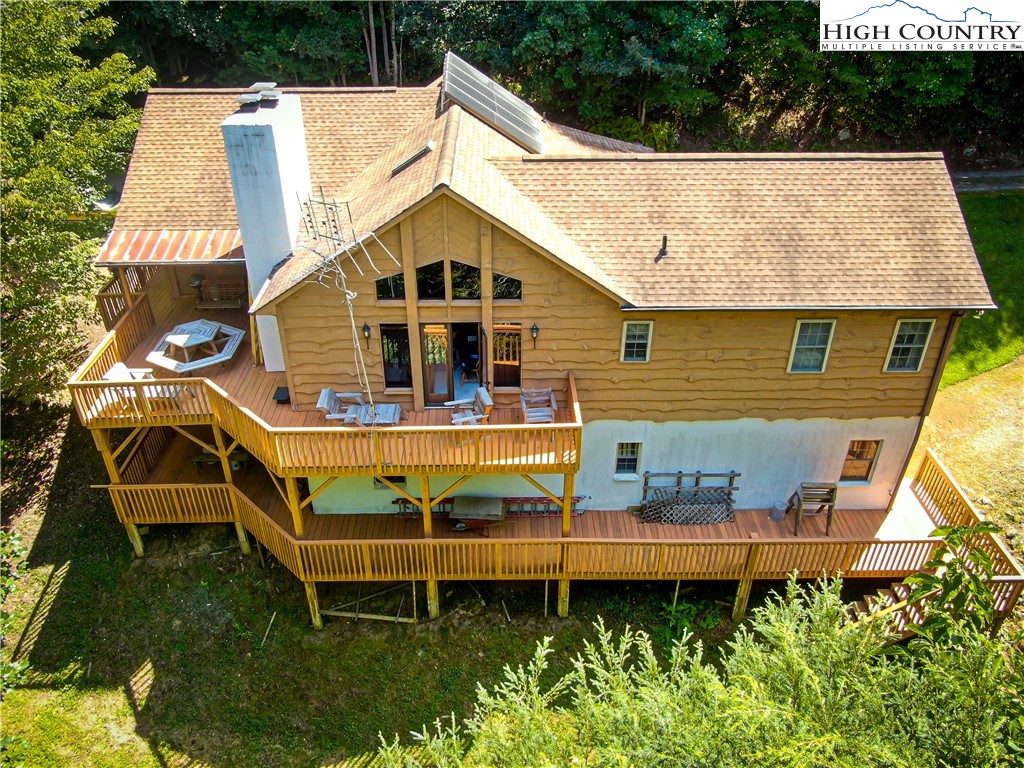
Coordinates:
<point>238,397</point>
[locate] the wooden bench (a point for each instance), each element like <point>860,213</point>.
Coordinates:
<point>221,294</point>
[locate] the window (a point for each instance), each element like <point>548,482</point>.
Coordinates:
<point>627,458</point>
<point>465,281</point>
<point>636,342</point>
<point>394,343</point>
<point>507,288</point>
<point>391,287</point>
<point>860,460</point>
<point>393,479</point>
<point>508,349</point>
<point>909,342</point>
<point>811,346</point>
<point>430,281</point>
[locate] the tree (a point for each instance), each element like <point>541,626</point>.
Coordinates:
<point>802,686</point>
<point>67,128</point>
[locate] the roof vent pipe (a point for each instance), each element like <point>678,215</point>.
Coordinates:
<point>664,249</point>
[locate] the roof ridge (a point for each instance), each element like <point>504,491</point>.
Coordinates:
<point>294,89</point>
<point>717,157</point>
<point>446,156</point>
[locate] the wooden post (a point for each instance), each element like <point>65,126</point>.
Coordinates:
<point>129,299</point>
<point>428,523</point>
<point>225,465</point>
<point>102,439</point>
<point>135,538</point>
<point>569,483</point>
<point>433,603</point>
<point>293,504</point>
<point>563,598</point>
<point>739,608</point>
<point>314,605</point>
<point>486,301</point>
<point>412,313</point>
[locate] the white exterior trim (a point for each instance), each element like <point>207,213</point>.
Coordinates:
<point>828,344</point>
<point>650,340</point>
<point>895,333</point>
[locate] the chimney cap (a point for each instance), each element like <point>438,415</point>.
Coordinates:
<point>262,86</point>
<point>248,98</point>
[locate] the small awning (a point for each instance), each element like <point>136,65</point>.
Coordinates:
<point>167,246</point>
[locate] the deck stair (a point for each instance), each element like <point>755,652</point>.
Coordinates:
<point>894,603</point>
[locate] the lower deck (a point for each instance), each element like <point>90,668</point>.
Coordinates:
<point>908,519</point>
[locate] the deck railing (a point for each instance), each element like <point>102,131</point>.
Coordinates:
<point>497,449</point>
<point>565,558</point>
<point>111,300</point>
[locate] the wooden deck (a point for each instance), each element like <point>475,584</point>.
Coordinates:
<point>908,520</point>
<point>237,397</point>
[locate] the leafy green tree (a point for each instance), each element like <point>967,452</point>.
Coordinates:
<point>67,127</point>
<point>800,687</point>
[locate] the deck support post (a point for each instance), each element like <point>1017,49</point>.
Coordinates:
<point>225,465</point>
<point>135,537</point>
<point>314,604</point>
<point>739,608</point>
<point>102,439</point>
<point>243,539</point>
<point>433,603</point>
<point>567,491</point>
<point>428,521</point>
<point>294,505</point>
<point>563,598</point>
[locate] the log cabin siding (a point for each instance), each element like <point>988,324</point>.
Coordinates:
<point>704,365</point>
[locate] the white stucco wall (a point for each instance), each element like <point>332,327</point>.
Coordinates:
<point>356,495</point>
<point>773,457</point>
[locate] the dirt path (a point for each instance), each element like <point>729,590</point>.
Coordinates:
<point>977,429</point>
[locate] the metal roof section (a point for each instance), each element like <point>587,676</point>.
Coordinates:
<point>475,92</point>
<point>193,246</point>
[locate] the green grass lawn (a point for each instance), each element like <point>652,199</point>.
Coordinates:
<point>996,223</point>
<point>161,661</point>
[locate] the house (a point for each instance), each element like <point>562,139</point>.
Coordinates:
<point>754,320</point>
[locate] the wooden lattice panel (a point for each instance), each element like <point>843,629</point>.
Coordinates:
<point>688,506</point>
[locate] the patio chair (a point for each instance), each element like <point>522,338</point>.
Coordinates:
<point>809,495</point>
<point>539,406</point>
<point>340,405</point>
<point>478,412</point>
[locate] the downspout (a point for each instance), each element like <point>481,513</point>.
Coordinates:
<point>947,346</point>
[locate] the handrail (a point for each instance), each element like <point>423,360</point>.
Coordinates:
<point>300,451</point>
<point>937,490</point>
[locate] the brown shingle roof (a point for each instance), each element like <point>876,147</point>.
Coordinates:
<point>744,231</point>
<point>764,231</point>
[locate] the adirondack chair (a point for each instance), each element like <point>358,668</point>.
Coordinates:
<point>539,406</point>
<point>343,406</point>
<point>478,410</point>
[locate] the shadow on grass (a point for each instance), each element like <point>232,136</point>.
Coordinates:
<point>181,631</point>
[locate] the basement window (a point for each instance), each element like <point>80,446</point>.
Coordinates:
<point>860,460</point>
<point>627,459</point>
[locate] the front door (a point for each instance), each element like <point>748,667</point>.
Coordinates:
<point>437,363</point>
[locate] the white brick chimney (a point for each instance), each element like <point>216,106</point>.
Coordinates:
<point>265,144</point>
